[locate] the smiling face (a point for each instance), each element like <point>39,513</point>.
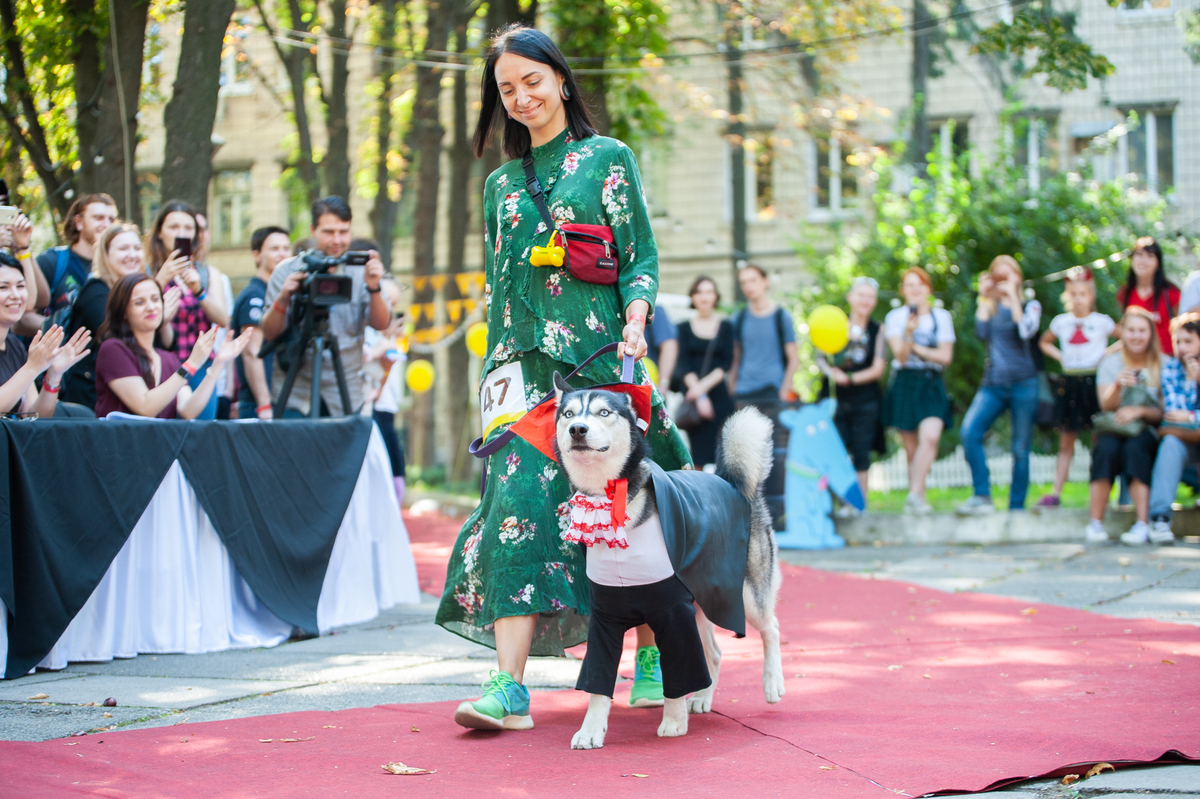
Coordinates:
<point>1136,334</point>
<point>144,312</point>
<point>276,249</point>
<point>914,290</point>
<point>13,295</point>
<point>125,254</point>
<point>532,95</point>
<point>178,224</point>
<point>94,220</point>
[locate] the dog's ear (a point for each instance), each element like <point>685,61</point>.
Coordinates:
<point>560,386</point>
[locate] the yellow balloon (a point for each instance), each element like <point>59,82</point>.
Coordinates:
<point>829,329</point>
<point>477,338</point>
<point>419,375</point>
<point>651,369</point>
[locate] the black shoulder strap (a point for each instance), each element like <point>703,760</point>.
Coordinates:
<point>534,187</point>
<point>779,333</point>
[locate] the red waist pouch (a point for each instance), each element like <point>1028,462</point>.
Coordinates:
<point>591,253</point>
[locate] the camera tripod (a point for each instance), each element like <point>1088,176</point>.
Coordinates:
<point>314,335</point>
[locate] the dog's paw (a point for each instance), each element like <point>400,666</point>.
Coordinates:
<point>701,701</point>
<point>588,738</point>
<point>773,686</point>
<point>673,728</point>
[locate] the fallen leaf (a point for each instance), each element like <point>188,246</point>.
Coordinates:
<point>1169,662</point>
<point>826,768</point>
<point>894,668</point>
<point>1099,768</point>
<point>642,776</point>
<point>329,727</point>
<point>265,740</point>
<point>181,721</point>
<point>295,740</point>
<point>400,768</point>
<point>1077,643</point>
<point>1002,674</point>
<point>73,743</point>
<point>90,704</point>
<point>415,728</point>
<point>1029,612</point>
<point>1070,778</point>
<point>40,696</point>
<point>108,715</point>
<point>733,700</point>
<point>926,676</point>
<point>1125,560</point>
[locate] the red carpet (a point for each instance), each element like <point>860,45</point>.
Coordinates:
<point>892,689</point>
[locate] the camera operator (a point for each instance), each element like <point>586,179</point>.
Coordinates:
<point>348,321</point>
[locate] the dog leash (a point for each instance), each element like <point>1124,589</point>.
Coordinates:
<point>481,450</point>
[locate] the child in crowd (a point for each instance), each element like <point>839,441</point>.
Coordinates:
<point>1082,335</point>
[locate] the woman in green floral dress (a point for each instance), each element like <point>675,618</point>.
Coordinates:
<point>512,582</point>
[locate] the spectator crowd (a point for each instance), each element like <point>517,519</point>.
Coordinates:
<point>115,321</point>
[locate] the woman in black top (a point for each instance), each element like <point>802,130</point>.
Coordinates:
<point>857,371</point>
<point>119,252</point>
<point>705,355</point>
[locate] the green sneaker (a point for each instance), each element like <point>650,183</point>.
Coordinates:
<point>503,706</point>
<point>647,688</point>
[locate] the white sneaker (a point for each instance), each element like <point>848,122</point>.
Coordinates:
<point>1094,533</point>
<point>1160,532</point>
<point>1138,535</point>
<point>975,506</point>
<point>917,505</point>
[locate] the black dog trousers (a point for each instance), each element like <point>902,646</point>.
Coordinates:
<point>667,606</point>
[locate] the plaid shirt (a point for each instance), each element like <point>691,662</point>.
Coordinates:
<point>189,323</point>
<point>1179,393</point>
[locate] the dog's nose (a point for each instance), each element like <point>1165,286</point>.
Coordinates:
<point>578,431</point>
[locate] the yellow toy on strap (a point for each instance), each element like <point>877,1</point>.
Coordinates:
<point>550,255</point>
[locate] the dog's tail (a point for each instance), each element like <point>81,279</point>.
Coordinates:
<point>746,450</point>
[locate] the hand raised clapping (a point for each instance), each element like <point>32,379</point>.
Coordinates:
<point>68,355</point>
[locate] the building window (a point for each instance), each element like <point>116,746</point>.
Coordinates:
<point>231,208</point>
<point>1035,148</point>
<point>762,154</point>
<point>236,69</point>
<point>149,197</point>
<point>952,137</point>
<point>835,179</point>
<point>1146,5</point>
<point>1150,157</point>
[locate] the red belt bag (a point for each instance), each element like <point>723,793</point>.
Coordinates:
<point>591,254</point>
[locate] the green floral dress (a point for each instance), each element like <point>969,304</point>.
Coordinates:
<point>510,559</point>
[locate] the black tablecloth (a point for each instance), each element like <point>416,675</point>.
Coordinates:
<point>71,492</point>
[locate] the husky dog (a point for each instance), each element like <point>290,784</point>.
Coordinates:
<point>598,440</point>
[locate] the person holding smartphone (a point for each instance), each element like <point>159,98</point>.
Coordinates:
<point>172,244</point>
<point>921,338</point>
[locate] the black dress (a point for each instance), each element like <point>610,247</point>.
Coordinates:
<point>89,310</point>
<point>692,350</point>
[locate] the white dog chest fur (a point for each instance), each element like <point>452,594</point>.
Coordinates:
<point>645,561</point>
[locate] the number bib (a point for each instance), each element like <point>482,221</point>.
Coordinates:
<point>502,397</point>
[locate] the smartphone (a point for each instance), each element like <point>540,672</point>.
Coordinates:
<point>912,309</point>
<point>184,246</point>
<point>3,192</point>
<point>8,214</point>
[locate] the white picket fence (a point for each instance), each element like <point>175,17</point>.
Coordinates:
<point>953,470</point>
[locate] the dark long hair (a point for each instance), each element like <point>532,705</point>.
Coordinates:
<point>154,246</point>
<point>528,43</point>
<point>1161,283</point>
<point>116,323</point>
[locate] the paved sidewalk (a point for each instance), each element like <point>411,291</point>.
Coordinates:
<point>403,657</point>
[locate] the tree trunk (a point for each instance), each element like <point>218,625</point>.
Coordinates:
<point>32,136</point>
<point>584,31</point>
<point>922,30</point>
<point>383,212</point>
<point>427,137</point>
<point>459,209</point>
<point>192,109</point>
<point>117,107</point>
<point>87,83</point>
<point>336,164</point>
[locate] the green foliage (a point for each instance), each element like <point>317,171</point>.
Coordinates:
<point>954,226</point>
<point>1062,57</point>
<point>1189,25</point>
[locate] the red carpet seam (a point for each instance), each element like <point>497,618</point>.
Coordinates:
<point>814,754</point>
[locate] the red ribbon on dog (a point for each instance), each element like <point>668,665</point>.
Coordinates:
<point>618,492</point>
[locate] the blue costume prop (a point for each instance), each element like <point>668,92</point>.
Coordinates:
<point>816,462</point>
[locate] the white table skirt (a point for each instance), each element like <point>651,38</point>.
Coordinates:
<point>174,587</point>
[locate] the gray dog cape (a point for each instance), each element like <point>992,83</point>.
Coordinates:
<point>706,525</point>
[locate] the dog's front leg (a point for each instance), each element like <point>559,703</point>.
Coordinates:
<point>595,724</point>
<point>675,718</point>
<point>701,701</point>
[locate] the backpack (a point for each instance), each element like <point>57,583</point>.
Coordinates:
<point>61,317</point>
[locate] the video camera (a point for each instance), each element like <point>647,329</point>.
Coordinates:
<point>323,290</point>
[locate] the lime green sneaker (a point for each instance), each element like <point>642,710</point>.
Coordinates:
<point>647,688</point>
<point>503,706</point>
